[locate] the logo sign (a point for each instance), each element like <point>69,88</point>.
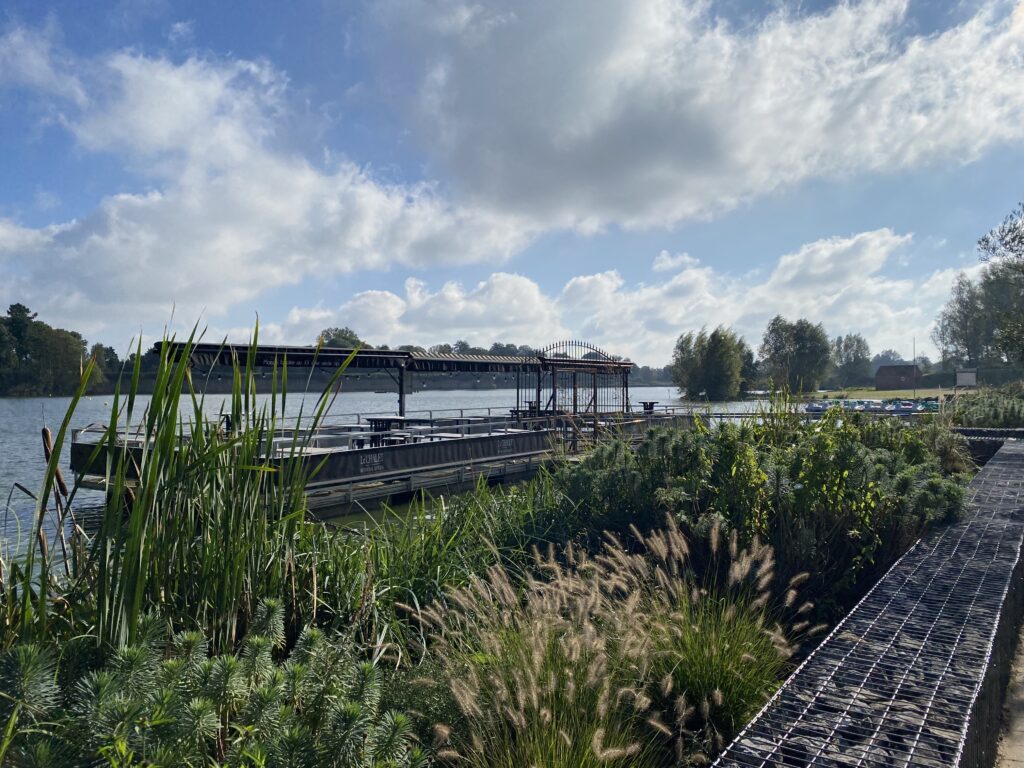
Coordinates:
<point>371,462</point>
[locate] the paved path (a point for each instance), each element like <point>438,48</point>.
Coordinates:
<point>915,674</point>
<point>1011,740</point>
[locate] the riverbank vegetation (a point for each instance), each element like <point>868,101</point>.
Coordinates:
<point>631,608</point>
<point>1000,407</point>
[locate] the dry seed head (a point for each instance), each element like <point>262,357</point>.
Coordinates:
<point>448,755</point>
<point>441,734</point>
<point>800,626</point>
<point>666,684</point>
<point>816,629</point>
<point>746,657</point>
<point>705,709</point>
<point>799,579</point>
<point>565,737</point>
<point>465,698</point>
<point>658,546</point>
<point>682,707</point>
<point>790,598</point>
<point>734,540</point>
<point>636,534</point>
<point>716,697</point>
<point>713,540</point>
<point>659,726</point>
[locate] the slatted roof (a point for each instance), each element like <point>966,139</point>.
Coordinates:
<point>377,359</point>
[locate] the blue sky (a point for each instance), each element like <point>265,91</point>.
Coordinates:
<point>428,170</point>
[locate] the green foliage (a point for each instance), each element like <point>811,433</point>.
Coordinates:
<point>204,524</point>
<point>36,359</point>
<point>1002,407</point>
<point>851,358</point>
<point>840,497</point>
<point>345,338</point>
<point>165,702</point>
<point>797,355</point>
<point>709,365</point>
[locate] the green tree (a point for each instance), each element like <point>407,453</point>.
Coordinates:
<point>709,364</point>
<point>852,359</point>
<point>345,338</point>
<point>1005,243</point>
<point>797,354</point>
<point>37,359</point>
<point>983,321</point>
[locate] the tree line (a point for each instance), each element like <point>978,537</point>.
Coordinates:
<point>346,338</point>
<point>982,324</point>
<point>37,359</point>
<point>798,355</point>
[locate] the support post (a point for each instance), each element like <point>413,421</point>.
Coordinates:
<point>539,373</point>
<point>401,390</point>
<point>554,388</point>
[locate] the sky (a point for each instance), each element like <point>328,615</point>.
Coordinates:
<point>618,171</point>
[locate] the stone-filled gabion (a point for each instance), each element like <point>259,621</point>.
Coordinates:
<point>915,674</point>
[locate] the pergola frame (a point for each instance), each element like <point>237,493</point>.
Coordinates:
<point>564,369</point>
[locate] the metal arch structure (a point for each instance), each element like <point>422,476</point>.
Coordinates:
<point>576,377</point>
<point>575,350</point>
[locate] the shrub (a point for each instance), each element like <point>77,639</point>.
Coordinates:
<point>620,658</point>
<point>165,701</point>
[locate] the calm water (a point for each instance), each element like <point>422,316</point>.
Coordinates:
<point>21,419</point>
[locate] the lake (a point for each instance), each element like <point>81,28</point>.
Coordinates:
<point>21,420</point>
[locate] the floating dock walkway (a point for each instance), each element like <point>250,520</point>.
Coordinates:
<point>915,674</point>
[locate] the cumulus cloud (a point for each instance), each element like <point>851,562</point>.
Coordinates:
<point>29,59</point>
<point>837,281</point>
<point>231,210</point>
<point>666,262</point>
<point>504,307</point>
<point>586,113</point>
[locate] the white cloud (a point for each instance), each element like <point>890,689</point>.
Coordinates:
<point>504,307</point>
<point>586,113</point>
<point>28,59</point>
<point>666,262</point>
<point>838,281</point>
<point>232,211</point>
<point>181,31</point>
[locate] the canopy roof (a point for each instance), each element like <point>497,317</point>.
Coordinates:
<point>377,359</point>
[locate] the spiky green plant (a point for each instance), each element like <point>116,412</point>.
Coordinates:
<point>165,702</point>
